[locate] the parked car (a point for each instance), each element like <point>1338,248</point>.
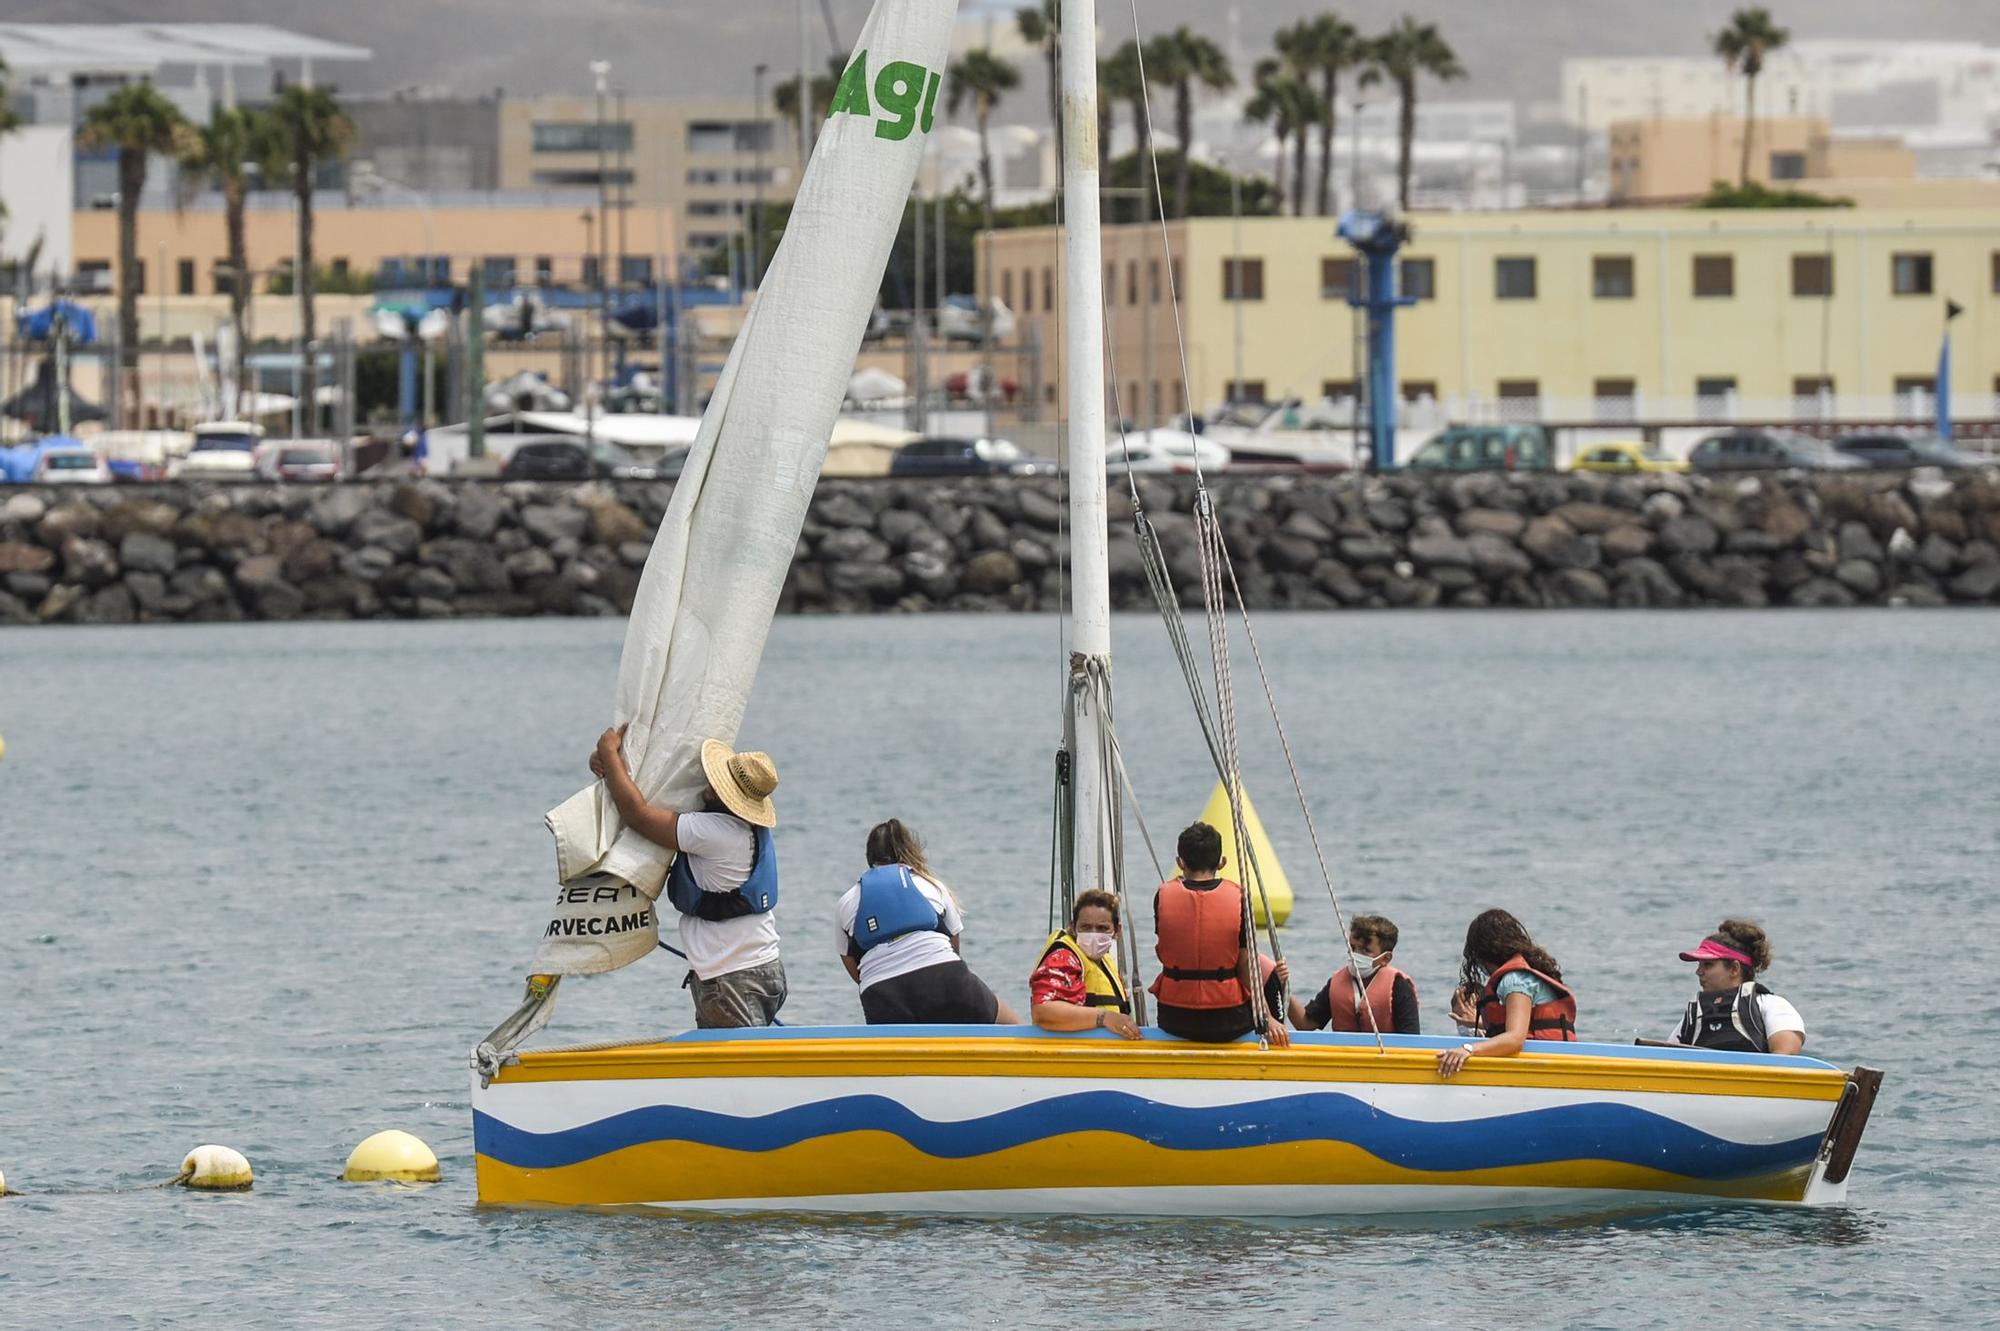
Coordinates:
<point>71,466</point>
<point>1762,450</point>
<point>567,458</point>
<point>1625,459</point>
<point>299,461</point>
<point>1154,452</point>
<point>222,450</point>
<point>1486,448</point>
<point>1883,449</point>
<point>967,457</point>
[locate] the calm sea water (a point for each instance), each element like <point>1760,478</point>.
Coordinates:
<point>265,885</point>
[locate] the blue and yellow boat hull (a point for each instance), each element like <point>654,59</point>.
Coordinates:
<point>1010,1120</point>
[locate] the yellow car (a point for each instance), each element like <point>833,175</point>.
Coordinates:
<point>1625,459</point>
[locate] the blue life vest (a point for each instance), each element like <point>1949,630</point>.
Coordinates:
<point>758,893</point>
<point>891,905</point>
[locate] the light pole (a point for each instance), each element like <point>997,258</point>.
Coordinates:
<point>600,70</point>
<point>757,175</point>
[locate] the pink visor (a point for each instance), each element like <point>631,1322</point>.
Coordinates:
<point>1710,949</point>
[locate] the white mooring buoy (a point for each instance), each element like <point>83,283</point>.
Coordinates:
<point>216,1169</point>
<point>395,1155</point>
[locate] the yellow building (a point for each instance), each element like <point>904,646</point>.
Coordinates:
<point>1562,316</point>
<point>1668,160</point>
<point>712,157</point>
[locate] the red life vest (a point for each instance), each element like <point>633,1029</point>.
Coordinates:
<point>1201,944</point>
<point>1553,1020</point>
<point>1348,1012</point>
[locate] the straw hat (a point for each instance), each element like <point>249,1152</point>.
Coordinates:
<point>743,782</point>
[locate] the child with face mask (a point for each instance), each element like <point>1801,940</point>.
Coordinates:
<point>1077,987</point>
<point>1392,995</point>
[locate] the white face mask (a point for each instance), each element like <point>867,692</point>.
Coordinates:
<point>1365,963</point>
<point>1096,946</point>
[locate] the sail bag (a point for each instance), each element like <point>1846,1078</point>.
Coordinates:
<point>711,584</point>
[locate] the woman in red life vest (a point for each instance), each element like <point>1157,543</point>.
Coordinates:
<point>1511,988</point>
<point>1202,921</point>
<point>1388,992</point>
<point>1077,987</point>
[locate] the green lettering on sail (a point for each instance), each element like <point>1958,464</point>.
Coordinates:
<point>905,93</point>
<point>851,97</point>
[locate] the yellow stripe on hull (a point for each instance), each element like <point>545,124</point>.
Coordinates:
<point>850,1163</point>
<point>989,1056</point>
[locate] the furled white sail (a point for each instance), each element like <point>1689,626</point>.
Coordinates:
<point>719,561</point>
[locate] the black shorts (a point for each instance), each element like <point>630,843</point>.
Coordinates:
<point>947,994</point>
<point>1217,1025</point>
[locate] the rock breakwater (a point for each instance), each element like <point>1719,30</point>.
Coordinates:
<point>431,549</point>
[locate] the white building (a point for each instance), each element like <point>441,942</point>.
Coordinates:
<point>35,201</point>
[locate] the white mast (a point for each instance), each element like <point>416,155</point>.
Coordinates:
<point>1083,344</point>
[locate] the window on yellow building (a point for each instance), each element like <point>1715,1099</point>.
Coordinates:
<point>184,277</point>
<point>1996,272</point>
<point>1419,278</point>
<point>1788,166</point>
<point>1812,274</point>
<point>1110,284</point>
<point>1337,279</point>
<point>1713,396</point>
<point>1614,400</point>
<point>1520,399</point>
<point>1027,291</point>
<point>1911,274</point>
<point>1007,288</point>
<point>1048,288</point>
<point>1132,282</point>
<point>1420,390</point>
<point>1611,277</point>
<point>1811,385</point>
<point>1242,279</point>
<point>1514,278</point>
<point>1153,280</point>
<point>1245,390</point>
<point>1714,276</point>
<point>1338,390</point>
<point>1915,383</point>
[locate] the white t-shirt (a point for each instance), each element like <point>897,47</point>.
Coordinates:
<point>911,952</point>
<point>1778,1014</point>
<point>718,847</point>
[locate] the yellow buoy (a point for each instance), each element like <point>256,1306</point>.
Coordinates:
<point>216,1169</point>
<point>3,1185</point>
<point>3,746</point>
<point>392,1155</point>
<point>1277,888</point>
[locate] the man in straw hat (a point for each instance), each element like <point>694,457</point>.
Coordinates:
<point>724,879</point>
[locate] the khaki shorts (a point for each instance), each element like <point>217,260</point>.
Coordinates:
<point>749,997</point>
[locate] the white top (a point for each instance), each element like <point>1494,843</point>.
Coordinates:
<point>1778,1014</point>
<point>718,847</point>
<point>911,952</point>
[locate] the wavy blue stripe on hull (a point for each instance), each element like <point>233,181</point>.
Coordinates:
<point>1602,1131</point>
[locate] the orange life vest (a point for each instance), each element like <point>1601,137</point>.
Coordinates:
<point>1201,944</point>
<point>1348,1011</point>
<point>1553,1020</point>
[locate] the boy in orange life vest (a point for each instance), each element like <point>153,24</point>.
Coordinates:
<point>1390,993</point>
<point>1202,921</point>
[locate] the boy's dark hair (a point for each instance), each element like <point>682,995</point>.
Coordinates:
<point>1378,929</point>
<point>1200,848</point>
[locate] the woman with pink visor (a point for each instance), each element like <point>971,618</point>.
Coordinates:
<point>1733,1011</point>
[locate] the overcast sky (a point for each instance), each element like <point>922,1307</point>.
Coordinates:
<point>1511,48</point>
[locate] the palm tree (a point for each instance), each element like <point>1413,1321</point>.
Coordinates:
<point>1181,59</point>
<point>1750,36</point>
<point>1042,27</point>
<point>309,127</point>
<point>1329,47</point>
<point>785,99</point>
<point>224,155</point>
<point>1291,107</point>
<point>1401,55</point>
<point>137,121</point>
<point>1122,82</point>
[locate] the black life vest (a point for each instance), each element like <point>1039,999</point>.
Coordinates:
<point>1730,1019</point>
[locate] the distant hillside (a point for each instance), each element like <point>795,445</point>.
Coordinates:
<point>1512,48</point>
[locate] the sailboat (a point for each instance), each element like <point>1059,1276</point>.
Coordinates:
<point>1013,1120</point>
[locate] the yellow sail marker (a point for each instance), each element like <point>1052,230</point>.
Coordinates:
<point>216,1169</point>
<point>394,1155</point>
<point>1277,887</point>
<point>3,1185</point>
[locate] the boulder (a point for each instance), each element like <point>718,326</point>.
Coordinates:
<point>24,509</point>
<point>880,582</point>
<point>1496,558</point>
<point>1977,583</point>
<point>146,515</point>
<point>1820,593</point>
<point>991,574</point>
<point>1431,551</point>
<point>1306,527</point>
<point>20,557</point>
<point>1590,518</point>
<point>852,545</point>
<point>1387,514</point>
<point>1857,542</point>
<point>89,561</point>
<point>408,501</point>
<point>64,521</point>
<point>61,603</point>
<point>108,605</point>
<point>1547,536</point>
<point>1291,554</point>
<point>30,587</point>
<point>526,565</point>
<point>13,610</point>
<point>842,510</point>
<point>146,550</point>
<point>612,523</point>
<point>199,583</point>
<point>1497,521</point>
<point>634,554</point>
<point>1039,509</point>
<point>1031,555</point>
<point>1689,536</point>
<point>148,589</point>
<point>1784,521</point>
<point>471,565</point>
<point>1581,587</point>
<point>1627,540</point>
<point>549,523</point>
<point>1937,555</point>
<point>1644,582</point>
<point>478,512</point>
<point>1368,550</point>
<point>432,584</point>
<point>1917,596</point>
<point>1859,576</point>
<point>1338,581</point>
<point>933,575</point>
<point>1663,506</point>
<point>389,531</point>
<point>335,511</point>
